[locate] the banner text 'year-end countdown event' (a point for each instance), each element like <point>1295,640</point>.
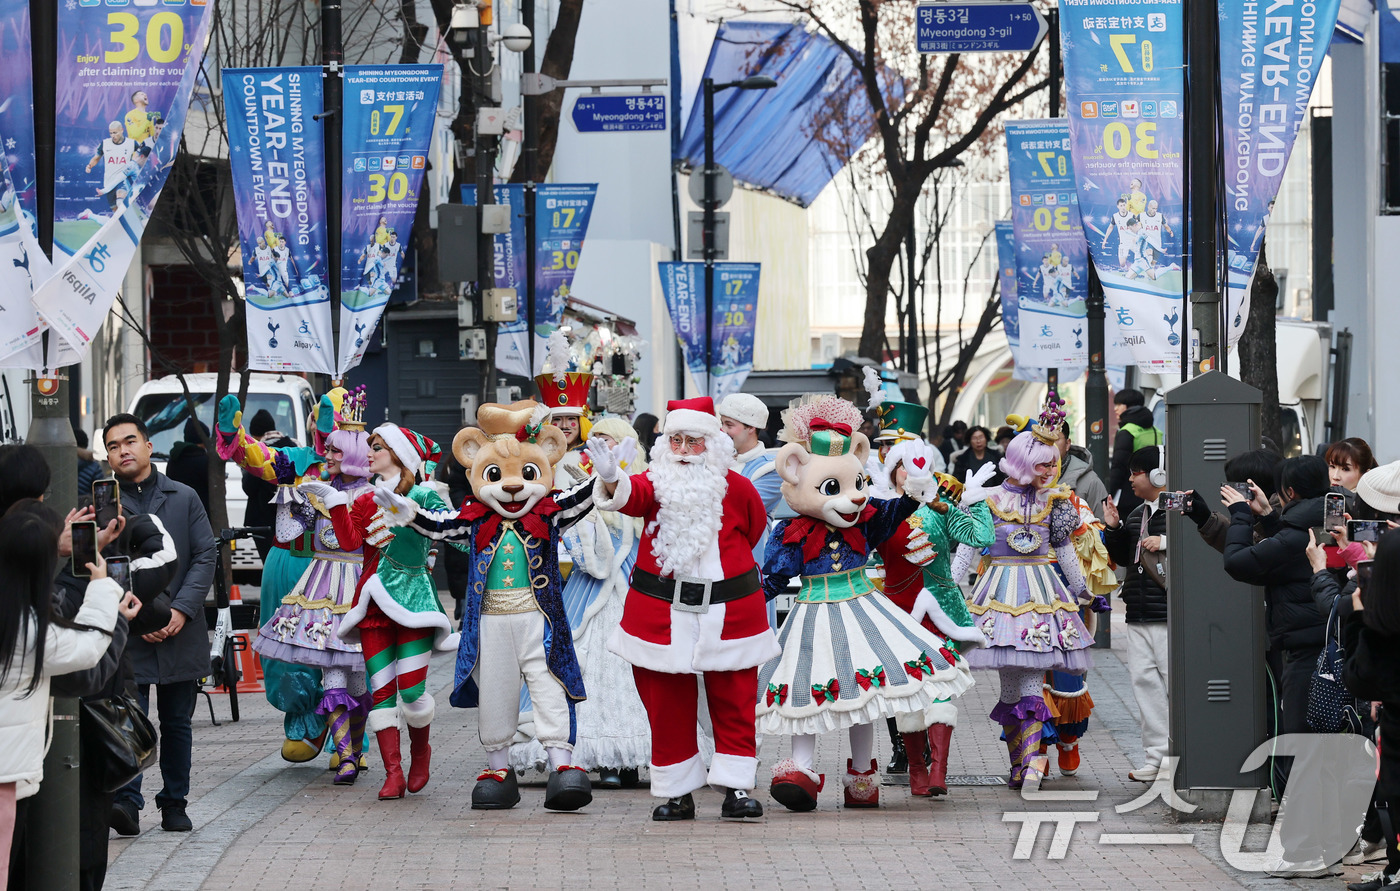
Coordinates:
<point>1123,86</point>
<point>388,130</point>
<point>277,156</point>
<point>735,302</point>
<point>1051,261</point>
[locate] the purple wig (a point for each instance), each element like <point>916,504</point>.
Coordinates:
<point>354,450</point>
<point>1022,455</point>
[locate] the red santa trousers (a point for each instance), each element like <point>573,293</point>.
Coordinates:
<point>672,704</point>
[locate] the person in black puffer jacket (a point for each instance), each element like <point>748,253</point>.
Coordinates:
<point>1139,544</point>
<point>1280,564</point>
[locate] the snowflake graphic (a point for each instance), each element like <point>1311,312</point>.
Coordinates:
<point>71,5</point>
<point>9,143</point>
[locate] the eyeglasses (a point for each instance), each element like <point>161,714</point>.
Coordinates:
<point>691,443</point>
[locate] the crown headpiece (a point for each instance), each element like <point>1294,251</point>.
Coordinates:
<point>1047,429</point>
<point>352,410</point>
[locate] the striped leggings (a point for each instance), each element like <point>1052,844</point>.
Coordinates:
<point>396,660</point>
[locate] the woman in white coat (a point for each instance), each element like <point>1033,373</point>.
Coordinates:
<point>36,644</point>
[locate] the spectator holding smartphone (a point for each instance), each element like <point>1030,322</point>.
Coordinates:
<point>1255,467</point>
<point>1140,545</point>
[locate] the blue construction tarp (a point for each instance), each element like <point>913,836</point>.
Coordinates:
<point>791,140</point>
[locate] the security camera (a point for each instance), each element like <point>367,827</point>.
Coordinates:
<point>516,37</point>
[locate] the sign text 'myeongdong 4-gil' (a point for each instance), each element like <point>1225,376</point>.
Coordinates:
<point>603,113</point>
<point>986,27</point>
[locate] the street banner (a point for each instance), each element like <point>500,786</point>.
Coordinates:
<point>17,101</point>
<point>125,79</point>
<point>277,157</point>
<point>1010,293</point>
<point>1269,60</point>
<point>562,212</point>
<point>388,131</point>
<point>1050,256</point>
<point>1124,86</point>
<point>735,300</point>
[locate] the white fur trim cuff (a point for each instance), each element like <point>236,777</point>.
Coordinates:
<point>731,772</point>
<point>918,722</point>
<point>445,640</point>
<point>419,712</point>
<point>675,780</point>
<point>619,495</point>
<point>687,420</point>
<point>383,719</point>
<point>969,634</point>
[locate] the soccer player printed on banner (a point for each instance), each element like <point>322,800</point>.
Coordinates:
<point>113,153</point>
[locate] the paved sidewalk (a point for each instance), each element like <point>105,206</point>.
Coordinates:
<point>262,823</point>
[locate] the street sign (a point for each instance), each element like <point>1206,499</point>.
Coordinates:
<point>724,186</point>
<point>604,113</point>
<point>985,27</point>
<point>695,235</point>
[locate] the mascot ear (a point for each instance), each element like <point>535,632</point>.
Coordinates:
<point>465,445</point>
<point>552,440</point>
<point>790,460</point>
<point>860,447</point>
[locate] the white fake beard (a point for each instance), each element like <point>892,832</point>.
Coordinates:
<point>690,494</point>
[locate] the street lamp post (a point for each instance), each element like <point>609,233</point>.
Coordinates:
<point>707,232</point>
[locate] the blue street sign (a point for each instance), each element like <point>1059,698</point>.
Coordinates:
<point>599,113</point>
<point>987,27</point>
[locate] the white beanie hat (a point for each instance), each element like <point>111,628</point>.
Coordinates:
<point>1380,488</point>
<point>744,408</point>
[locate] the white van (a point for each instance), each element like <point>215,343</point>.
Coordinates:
<point>161,405</point>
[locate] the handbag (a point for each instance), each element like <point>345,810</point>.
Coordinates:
<point>1328,699</point>
<point>118,739</point>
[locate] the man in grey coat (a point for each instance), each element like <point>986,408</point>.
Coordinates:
<point>176,656</point>
<point>1077,473</point>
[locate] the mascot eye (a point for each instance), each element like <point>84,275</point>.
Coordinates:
<point>860,482</point>
<point>492,474</point>
<point>531,472</point>
<point>830,487</point>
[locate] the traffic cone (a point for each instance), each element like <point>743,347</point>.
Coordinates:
<point>249,667</point>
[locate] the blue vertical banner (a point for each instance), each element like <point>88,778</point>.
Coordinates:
<point>17,102</point>
<point>1269,59</point>
<point>277,156</point>
<point>735,294</point>
<point>125,80</point>
<point>1051,259</point>
<point>562,212</point>
<point>388,130</point>
<point>1124,91</point>
<point>1006,283</point>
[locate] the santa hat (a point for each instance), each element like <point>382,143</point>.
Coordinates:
<point>744,408</point>
<point>694,416</point>
<point>414,450</point>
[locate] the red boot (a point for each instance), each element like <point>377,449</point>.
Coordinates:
<point>421,753</point>
<point>915,745</point>
<point>939,739</point>
<point>1068,752</point>
<point>388,740</point>
<point>861,788</point>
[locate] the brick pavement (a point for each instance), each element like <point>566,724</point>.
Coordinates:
<point>262,823</point>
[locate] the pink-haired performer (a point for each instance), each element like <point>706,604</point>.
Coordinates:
<point>1027,614</point>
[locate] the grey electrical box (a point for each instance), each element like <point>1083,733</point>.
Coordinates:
<point>695,235</point>
<point>471,343</point>
<point>457,237</point>
<point>498,305</point>
<point>1217,678</point>
<point>495,218</point>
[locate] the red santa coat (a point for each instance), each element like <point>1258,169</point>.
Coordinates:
<point>730,636</point>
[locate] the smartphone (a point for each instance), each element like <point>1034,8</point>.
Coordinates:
<point>1243,489</point>
<point>1178,501</point>
<point>1366,530</point>
<point>106,501</point>
<point>1363,573</point>
<point>119,571</point>
<point>84,546</point>
<point>1334,508</point>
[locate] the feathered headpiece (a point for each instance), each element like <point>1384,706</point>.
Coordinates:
<point>874,386</point>
<point>556,356</point>
<point>824,424</point>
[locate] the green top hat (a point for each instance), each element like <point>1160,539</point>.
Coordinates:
<point>901,419</point>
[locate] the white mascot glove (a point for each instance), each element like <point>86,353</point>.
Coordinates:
<point>973,488</point>
<point>330,496</point>
<point>398,510</point>
<point>919,483</point>
<point>625,451</point>
<point>607,463</point>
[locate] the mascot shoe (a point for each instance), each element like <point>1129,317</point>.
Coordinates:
<point>568,789</point>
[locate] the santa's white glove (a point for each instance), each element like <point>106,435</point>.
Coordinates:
<point>973,488</point>
<point>919,483</point>
<point>398,510</point>
<point>330,496</point>
<point>607,464</point>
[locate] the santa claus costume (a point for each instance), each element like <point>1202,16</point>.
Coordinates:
<point>396,614</point>
<point>695,612</point>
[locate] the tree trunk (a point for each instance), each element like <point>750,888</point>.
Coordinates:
<point>558,59</point>
<point>880,260</point>
<point>414,33</point>
<point>1258,350</point>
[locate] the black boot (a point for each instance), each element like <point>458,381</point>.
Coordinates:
<point>609,778</point>
<point>568,789</point>
<point>682,808</point>
<point>739,806</point>
<point>629,778</point>
<point>495,790</point>
<point>900,762</point>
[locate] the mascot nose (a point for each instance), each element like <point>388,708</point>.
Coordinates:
<point>858,502</point>
<point>513,490</point>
